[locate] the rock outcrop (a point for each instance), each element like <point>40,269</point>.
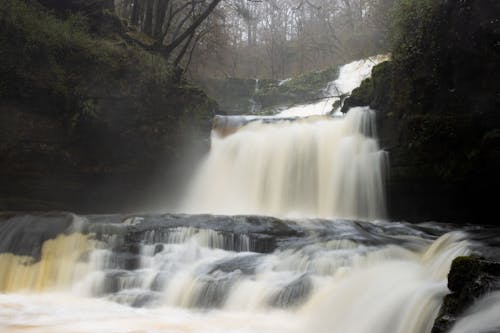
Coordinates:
<point>437,104</point>
<point>238,96</point>
<point>468,280</point>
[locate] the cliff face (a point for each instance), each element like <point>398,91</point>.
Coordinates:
<point>263,96</point>
<point>88,122</point>
<point>437,103</point>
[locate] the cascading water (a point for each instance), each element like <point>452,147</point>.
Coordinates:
<point>313,167</point>
<point>63,273</point>
<point>294,164</point>
<point>254,106</point>
<point>178,273</point>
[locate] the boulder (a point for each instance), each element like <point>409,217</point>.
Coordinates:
<point>468,280</point>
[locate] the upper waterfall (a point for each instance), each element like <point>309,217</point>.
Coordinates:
<point>350,77</point>
<point>303,163</point>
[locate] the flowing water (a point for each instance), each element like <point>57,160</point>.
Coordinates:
<point>329,263</point>
<point>300,163</point>
<point>311,167</point>
<point>188,273</point>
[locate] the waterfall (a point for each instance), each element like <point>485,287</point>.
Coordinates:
<point>254,106</point>
<point>302,245</point>
<point>310,167</point>
<point>482,317</point>
<point>299,163</point>
<point>206,274</point>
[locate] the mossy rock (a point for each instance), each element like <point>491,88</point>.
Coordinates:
<point>469,278</point>
<point>374,91</point>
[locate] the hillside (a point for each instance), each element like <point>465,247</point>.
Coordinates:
<point>89,120</point>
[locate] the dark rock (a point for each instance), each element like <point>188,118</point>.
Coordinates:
<point>213,291</point>
<point>293,293</point>
<point>468,280</point>
<point>245,264</point>
<point>437,113</point>
<point>238,96</point>
<point>24,234</point>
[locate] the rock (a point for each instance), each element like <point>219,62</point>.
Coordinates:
<point>469,279</point>
<point>24,234</point>
<point>436,104</point>
<point>293,293</point>
<point>237,96</point>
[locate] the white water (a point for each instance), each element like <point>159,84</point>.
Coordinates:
<point>337,276</point>
<point>312,167</point>
<point>186,282</point>
<point>482,317</point>
<point>320,166</point>
<point>350,77</point>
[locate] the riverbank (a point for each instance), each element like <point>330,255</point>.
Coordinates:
<point>90,122</point>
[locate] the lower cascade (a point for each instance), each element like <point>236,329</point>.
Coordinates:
<point>201,273</point>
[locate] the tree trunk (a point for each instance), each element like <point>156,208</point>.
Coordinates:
<point>148,19</point>
<point>196,23</point>
<point>160,18</point>
<point>136,12</point>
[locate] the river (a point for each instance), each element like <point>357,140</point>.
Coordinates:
<point>283,229</point>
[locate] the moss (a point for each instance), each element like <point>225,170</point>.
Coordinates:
<point>310,81</point>
<point>437,104</point>
<point>87,108</point>
<point>375,91</point>
<point>57,60</point>
<point>464,270</point>
<point>301,89</point>
<point>361,96</point>
<point>240,96</point>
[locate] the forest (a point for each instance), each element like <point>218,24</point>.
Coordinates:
<point>261,39</point>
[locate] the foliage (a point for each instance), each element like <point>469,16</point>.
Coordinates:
<point>58,61</point>
<point>412,22</point>
<point>312,81</point>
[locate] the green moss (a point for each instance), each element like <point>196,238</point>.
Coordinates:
<point>374,91</point>
<point>463,270</point>
<point>300,89</point>
<point>57,60</point>
<point>310,81</point>
<point>235,95</point>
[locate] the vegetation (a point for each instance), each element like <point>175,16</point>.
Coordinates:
<point>244,96</point>
<point>272,39</point>
<point>438,103</point>
<point>60,62</point>
<point>80,101</point>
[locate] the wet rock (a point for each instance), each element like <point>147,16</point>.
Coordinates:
<point>112,282</point>
<point>24,234</point>
<point>245,264</point>
<point>293,293</point>
<point>137,298</point>
<point>436,104</point>
<point>213,291</point>
<point>468,280</point>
